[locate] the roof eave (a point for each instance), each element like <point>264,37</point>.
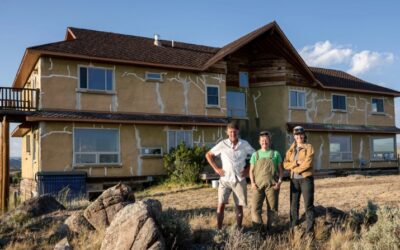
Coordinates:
<point>394,94</point>
<point>28,62</point>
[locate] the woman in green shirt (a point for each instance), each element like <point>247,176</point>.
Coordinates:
<point>266,177</point>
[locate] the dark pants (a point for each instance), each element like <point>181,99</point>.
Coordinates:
<point>303,186</point>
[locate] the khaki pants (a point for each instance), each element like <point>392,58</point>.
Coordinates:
<point>271,197</point>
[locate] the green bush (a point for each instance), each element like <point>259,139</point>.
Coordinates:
<point>184,164</point>
<point>175,229</point>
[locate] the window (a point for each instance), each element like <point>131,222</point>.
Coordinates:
<point>212,96</point>
<point>339,102</point>
<point>383,149</point>
<point>175,137</point>
<point>377,105</point>
<point>96,146</point>
<point>244,79</point>
<point>340,148</point>
<point>34,138</point>
<point>297,99</point>
<point>236,102</point>
<point>96,78</point>
<point>152,76</point>
<point>151,151</point>
<point>28,143</point>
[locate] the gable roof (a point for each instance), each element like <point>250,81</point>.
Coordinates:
<point>339,80</point>
<point>127,49</point>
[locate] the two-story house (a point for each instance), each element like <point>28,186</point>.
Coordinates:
<point>110,105</point>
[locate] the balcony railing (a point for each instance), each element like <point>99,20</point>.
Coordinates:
<point>20,99</point>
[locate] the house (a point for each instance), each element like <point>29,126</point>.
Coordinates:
<point>110,105</point>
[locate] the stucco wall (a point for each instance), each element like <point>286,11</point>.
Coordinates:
<point>319,108</point>
<point>179,92</point>
<point>56,152</point>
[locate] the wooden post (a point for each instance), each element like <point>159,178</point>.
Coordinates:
<point>4,167</point>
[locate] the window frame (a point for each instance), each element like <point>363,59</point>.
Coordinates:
<point>149,154</point>
<point>345,103</point>
<point>372,148</point>
<point>177,130</point>
<point>245,104</point>
<point>383,105</point>
<point>97,154</point>
<point>87,89</point>
<point>290,99</point>
<point>350,149</point>
<point>212,105</point>
<point>246,85</point>
<point>150,79</point>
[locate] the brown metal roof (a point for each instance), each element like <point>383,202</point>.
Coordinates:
<point>336,79</point>
<point>132,118</point>
<point>345,128</point>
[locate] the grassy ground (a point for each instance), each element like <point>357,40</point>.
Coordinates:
<point>195,206</point>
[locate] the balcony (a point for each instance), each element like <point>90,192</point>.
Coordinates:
<point>19,99</point>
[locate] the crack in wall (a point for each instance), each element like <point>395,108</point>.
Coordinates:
<point>254,102</point>
<point>138,146</point>
<point>159,99</point>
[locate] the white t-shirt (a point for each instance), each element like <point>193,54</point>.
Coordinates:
<point>233,159</point>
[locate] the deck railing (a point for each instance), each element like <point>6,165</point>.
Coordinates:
<point>20,99</point>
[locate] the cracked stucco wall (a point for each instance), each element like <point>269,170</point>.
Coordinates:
<point>179,93</point>
<point>54,135</point>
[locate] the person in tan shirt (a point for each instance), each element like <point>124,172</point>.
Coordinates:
<point>299,160</point>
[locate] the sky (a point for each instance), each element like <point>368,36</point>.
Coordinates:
<point>359,37</point>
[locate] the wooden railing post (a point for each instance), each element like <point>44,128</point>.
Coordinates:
<point>5,166</point>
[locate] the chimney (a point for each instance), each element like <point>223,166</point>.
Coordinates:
<point>156,40</point>
<point>172,43</point>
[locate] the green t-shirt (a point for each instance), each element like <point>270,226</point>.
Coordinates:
<point>276,159</point>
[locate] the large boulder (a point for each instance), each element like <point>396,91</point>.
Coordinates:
<point>134,227</point>
<point>102,211</point>
<point>77,223</point>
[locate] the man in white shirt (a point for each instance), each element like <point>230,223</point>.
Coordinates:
<point>234,152</point>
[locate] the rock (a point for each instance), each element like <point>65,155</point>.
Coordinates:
<point>76,223</point>
<point>102,211</point>
<point>40,205</point>
<point>155,208</point>
<point>63,245</point>
<point>331,214</point>
<point>134,228</point>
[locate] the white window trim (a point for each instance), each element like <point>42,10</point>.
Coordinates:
<point>146,155</point>
<point>372,148</point>
<point>351,149</point>
<point>339,110</point>
<point>219,99</point>
<point>383,102</point>
<point>305,99</point>
<point>170,130</point>
<point>79,89</point>
<point>96,164</point>
<point>147,73</point>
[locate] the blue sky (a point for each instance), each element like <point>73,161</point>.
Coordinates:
<point>360,37</point>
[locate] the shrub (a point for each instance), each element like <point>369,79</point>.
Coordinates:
<point>175,229</point>
<point>184,164</point>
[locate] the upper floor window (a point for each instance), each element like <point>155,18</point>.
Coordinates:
<point>383,149</point>
<point>96,146</point>
<point>377,105</point>
<point>94,78</point>
<point>340,148</point>
<point>297,99</point>
<point>236,104</point>
<point>153,76</point>
<point>244,79</point>
<point>175,137</point>
<point>212,95</point>
<point>339,102</point>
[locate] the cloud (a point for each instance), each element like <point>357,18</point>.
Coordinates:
<point>325,54</point>
<point>366,60</point>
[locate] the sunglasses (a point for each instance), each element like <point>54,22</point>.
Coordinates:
<point>297,131</point>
